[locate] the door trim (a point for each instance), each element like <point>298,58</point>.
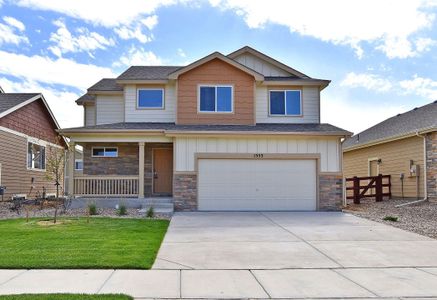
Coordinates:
<point>153,168</point>
<point>266,156</point>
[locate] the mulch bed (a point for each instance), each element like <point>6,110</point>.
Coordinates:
<point>420,218</point>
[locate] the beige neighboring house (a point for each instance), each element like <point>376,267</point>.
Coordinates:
<point>227,132</point>
<point>403,146</point>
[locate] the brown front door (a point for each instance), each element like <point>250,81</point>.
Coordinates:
<point>162,171</point>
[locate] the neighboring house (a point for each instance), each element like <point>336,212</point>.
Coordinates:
<point>399,145</point>
<point>235,132</point>
<point>27,138</point>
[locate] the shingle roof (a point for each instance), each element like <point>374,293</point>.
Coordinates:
<point>85,98</point>
<point>291,128</point>
<point>415,120</point>
<point>148,72</point>
<point>10,100</point>
<point>106,84</point>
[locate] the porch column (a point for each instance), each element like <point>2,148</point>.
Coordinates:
<point>141,170</point>
<point>70,168</point>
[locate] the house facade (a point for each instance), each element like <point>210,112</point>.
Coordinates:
<point>403,146</point>
<point>28,139</point>
<point>235,132</point>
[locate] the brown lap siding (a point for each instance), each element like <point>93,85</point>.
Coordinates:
<point>216,72</point>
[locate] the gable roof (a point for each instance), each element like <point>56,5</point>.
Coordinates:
<point>10,102</point>
<point>267,58</point>
<point>418,120</point>
<point>216,55</point>
<point>106,84</point>
<point>148,72</point>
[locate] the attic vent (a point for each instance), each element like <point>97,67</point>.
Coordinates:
<point>398,115</point>
<point>435,102</point>
<point>415,108</point>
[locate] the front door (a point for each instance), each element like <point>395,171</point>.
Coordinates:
<point>162,171</point>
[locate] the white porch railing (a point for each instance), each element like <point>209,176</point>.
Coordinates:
<point>106,186</point>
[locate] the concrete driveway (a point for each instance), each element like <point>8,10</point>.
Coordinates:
<point>271,240</point>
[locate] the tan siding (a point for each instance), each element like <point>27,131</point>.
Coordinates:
<point>90,115</point>
<point>109,109</point>
<point>395,157</point>
<point>215,72</point>
<point>259,65</point>
<point>15,175</point>
<point>310,105</point>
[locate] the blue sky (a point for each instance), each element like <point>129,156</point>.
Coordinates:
<point>380,63</point>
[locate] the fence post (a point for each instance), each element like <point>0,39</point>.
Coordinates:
<point>356,190</point>
<point>379,188</point>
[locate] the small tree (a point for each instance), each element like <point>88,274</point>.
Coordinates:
<point>55,162</point>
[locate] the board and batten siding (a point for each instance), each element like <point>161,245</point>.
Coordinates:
<point>186,147</point>
<point>133,114</point>
<point>259,65</point>
<point>90,115</point>
<point>395,157</point>
<point>109,109</point>
<point>310,106</point>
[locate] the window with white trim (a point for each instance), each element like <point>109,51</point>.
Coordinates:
<point>285,103</point>
<point>216,98</point>
<point>78,164</point>
<point>150,98</point>
<point>105,152</point>
<point>36,156</point>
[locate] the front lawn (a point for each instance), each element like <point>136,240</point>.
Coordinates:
<point>101,243</point>
<point>65,297</point>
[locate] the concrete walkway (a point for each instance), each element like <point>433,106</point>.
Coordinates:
<point>261,255</point>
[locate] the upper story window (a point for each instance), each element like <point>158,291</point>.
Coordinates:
<point>104,152</point>
<point>216,98</point>
<point>285,103</point>
<point>36,156</point>
<point>78,164</point>
<point>150,98</point>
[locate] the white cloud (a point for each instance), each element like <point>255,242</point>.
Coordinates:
<point>134,31</point>
<point>51,71</point>
<point>424,87</point>
<point>355,117</point>
<point>425,44</point>
<point>343,22</point>
<point>85,41</point>
<point>420,86</point>
<point>62,104</point>
<point>14,23</point>
<point>150,22</point>
<point>108,13</point>
<point>181,53</point>
<point>9,34</point>
<point>139,56</point>
<point>368,81</point>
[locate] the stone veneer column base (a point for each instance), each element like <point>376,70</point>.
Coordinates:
<point>185,192</point>
<point>431,165</point>
<point>330,192</point>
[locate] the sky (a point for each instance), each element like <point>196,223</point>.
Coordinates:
<point>381,55</point>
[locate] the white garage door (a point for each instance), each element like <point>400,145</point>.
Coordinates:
<point>265,184</point>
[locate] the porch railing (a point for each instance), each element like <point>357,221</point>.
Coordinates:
<point>106,186</point>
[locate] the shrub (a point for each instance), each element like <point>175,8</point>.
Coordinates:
<point>150,212</point>
<point>122,210</point>
<point>92,209</point>
<point>390,218</point>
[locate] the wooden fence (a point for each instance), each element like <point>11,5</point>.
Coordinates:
<point>370,186</point>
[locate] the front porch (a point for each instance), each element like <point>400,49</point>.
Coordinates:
<point>120,171</point>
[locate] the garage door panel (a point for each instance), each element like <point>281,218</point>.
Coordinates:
<point>242,184</point>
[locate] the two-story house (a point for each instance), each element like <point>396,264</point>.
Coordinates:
<point>235,132</point>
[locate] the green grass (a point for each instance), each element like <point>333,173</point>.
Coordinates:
<point>65,297</point>
<point>102,243</point>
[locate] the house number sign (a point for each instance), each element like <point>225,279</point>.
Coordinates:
<point>258,155</point>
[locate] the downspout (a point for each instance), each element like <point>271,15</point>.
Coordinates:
<point>425,187</point>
